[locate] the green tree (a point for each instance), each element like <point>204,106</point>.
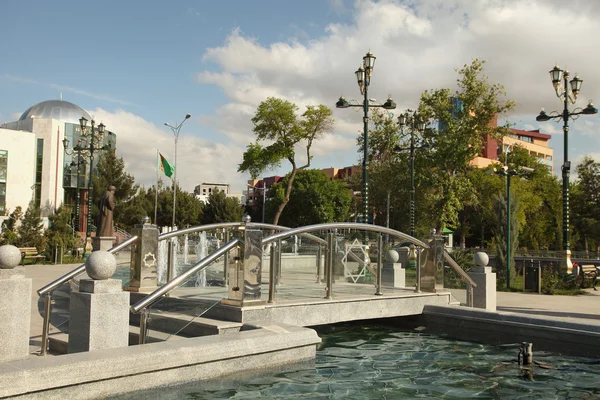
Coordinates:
<point>276,122</point>
<point>585,204</point>
<point>31,230</point>
<point>315,198</point>
<point>9,227</point>
<point>221,208</point>
<point>60,232</point>
<point>465,119</point>
<point>501,234</point>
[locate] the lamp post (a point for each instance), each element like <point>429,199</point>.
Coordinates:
<point>80,161</point>
<point>363,78</point>
<point>567,91</point>
<point>508,173</point>
<point>415,124</point>
<point>94,142</point>
<point>264,190</point>
<point>176,130</point>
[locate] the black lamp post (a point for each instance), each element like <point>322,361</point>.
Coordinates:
<point>94,138</point>
<point>567,91</point>
<point>80,161</point>
<point>415,124</point>
<point>363,78</point>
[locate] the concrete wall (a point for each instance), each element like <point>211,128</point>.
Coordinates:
<point>20,175</point>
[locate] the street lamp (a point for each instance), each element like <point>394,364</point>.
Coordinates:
<point>94,142</point>
<point>363,78</point>
<point>264,190</point>
<point>80,161</point>
<point>567,91</point>
<point>415,124</point>
<point>508,173</point>
<point>176,130</point>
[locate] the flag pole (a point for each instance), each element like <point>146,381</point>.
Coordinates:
<point>156,196</point>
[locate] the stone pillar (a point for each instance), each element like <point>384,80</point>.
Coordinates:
<point>393,275</point>
<point>99,311</point>
<point>103,242</point>
<point>144,259</point>
<point>15,307</point>
<point>484,295</point>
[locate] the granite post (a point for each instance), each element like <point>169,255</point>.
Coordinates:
<point>103,242</point>
<point>393,274</point>
<point>100,309</point>
<point>15,307</point>
<point>144,259</point>
<point>484,295</point>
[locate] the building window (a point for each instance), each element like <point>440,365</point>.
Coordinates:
<point>3,174</point>
<point>39,161</point>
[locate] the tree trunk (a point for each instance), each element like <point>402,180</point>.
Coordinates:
<point>288,190</point>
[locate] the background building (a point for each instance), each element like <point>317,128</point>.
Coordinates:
<point>34,164</point>
<point>203,190</point>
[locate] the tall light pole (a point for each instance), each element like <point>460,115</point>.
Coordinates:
<point>94,142</point>
<point>363,78</point>
<point>567,91</point>
<point>508,173</point>
<point>176,130</point>
<point>264,190</point>
<point>415,124</point>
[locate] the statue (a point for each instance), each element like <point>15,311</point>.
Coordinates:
<point>106,207</point>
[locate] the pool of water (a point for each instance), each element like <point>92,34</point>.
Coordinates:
<point>377,362</point>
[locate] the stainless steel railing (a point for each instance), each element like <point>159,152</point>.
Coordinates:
<point>46,291</point>
<point>142,305</point>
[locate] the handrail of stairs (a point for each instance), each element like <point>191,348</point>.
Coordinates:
<point>142,305</point>
<point>46,291</point>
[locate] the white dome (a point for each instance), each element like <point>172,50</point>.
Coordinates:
<point>57,109</point>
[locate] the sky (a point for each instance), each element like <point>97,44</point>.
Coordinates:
<point>135,65</point>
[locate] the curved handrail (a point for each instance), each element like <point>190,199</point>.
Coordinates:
<point>172,284</point>
<point>81,269</point>
<point>221,225</point>
<point>344,225</point>
<point>458,269</point>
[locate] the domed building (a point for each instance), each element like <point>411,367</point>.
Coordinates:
<point>40,159</point>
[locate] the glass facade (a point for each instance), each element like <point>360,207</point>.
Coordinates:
<point>39,162</point>
<point>3,170</point>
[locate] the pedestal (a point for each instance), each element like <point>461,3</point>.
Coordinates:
<point>103,242</point>
<point>484,295</point>
<point>144,259</point>
<point>244,276</point>
<point>15,314</point>
<point>99,316</point>
<point>393,275</point>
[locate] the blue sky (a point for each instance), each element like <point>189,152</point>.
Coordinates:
<point>137,64</point>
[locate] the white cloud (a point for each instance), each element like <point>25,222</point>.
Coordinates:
<point>418,45</point>
<point>198,160</point>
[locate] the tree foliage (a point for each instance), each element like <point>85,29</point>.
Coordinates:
<point>221,208</point>
<point>315,199</point>
<point>31,230</point>
<point>60,232</point>
<point>586,205</point>
<point>277,123</point>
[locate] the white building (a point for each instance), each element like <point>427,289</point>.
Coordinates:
<point>204,190</point>
<point>34,164</point>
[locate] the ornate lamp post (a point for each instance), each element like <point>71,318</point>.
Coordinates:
<point>363,78</point>
<point>176,130</point>
<point>80,162</point>
<point>567,91</point>
<point>94,142</point>
<point>415,124</point>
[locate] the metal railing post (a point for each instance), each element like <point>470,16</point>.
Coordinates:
<point>170,260</point>
<point>46,324</point>
<point>418,284</point>
<point>319,264</point>
<point>143,326</point>
<point>329,265</point>
<point>379,264</point>
<point>278,252</point>
<point>226,258</point>
<point>272,273</point>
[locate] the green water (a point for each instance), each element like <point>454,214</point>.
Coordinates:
<point>377,362</point>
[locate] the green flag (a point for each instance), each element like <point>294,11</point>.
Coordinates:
<point>165,166</point>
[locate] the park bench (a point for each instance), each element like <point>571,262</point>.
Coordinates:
<point>588,271</point>
<point>30,253</point>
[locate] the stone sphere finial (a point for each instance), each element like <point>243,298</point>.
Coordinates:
<point>10,256</point>
<point>145,219</point>
<point>392,256</point>
<point>100,265</point>
<point>481,259</point>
